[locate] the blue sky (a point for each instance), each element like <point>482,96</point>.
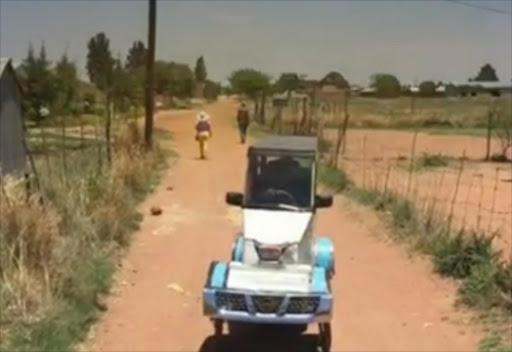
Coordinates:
<point>416,40</point>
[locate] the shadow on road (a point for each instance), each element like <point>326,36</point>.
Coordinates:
<point>261,341</point>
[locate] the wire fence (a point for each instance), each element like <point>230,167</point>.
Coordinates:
<point>467,194</point>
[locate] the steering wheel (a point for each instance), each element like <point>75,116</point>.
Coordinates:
<point>272,192</point>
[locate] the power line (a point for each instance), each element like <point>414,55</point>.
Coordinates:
<point>480,7</point>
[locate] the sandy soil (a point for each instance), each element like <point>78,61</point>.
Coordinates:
<point>483,198</point>
<point>384,300</point>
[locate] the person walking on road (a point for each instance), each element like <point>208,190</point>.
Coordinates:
<point>203,132</point>
<point>242,118</point>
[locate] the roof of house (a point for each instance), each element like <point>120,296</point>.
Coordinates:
<point>286,144</point>
<point>491,84</point>
<point>6,62</point>
<point>368,90</point>
<point>293,95</point>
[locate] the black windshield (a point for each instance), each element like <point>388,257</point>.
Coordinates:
<point>279,182</point>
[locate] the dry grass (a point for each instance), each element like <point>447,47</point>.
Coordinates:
<point>58,246</point>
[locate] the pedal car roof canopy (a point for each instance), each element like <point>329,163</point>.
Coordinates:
<point>286,145</point>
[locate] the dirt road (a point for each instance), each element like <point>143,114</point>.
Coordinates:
<point>384,301</point>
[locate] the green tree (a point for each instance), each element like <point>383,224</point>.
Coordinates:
<point>174,79</point>
<point>427,88</point>
<point>336,79</point>
<point>67,83</point>
<point>100,62</point>
<point>200,75</point>
<point>200,70</point>
<point>253,84</point>
<point>386,85</point>
<point>487,74</point>
<point>182,80</point>
<point>288,81</point>
<point>249,82</point>
<point>39,81</point>
<point>100,68</point>
<point>212,90</point>
<point>124,89</point>
<point>136,57</point>
<point>135,67</point>
<point>47,91</point>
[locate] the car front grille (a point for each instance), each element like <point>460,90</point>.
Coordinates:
<point>267,304</point>
<point>302,305</point>
<point>231,301</point>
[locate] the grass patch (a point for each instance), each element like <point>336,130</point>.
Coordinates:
<point>59,246</point>
<point>337,180</point>
<point>494,343</point>
<point>257,130</point>
<point>458,255</point>
<point>428,161</point>
<point>441,115</point>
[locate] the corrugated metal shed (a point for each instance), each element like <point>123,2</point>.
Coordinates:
<point>12,149</point>
<point>3,64</point>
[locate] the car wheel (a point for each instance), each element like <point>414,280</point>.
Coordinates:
<point>218,326</point>
<point>325,337</point>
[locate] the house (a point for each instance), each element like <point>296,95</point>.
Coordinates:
<point>287,97</point>
<point>495,88</point>
<point>13,155</point>
<point>368,92</point>
<point>414,89</point>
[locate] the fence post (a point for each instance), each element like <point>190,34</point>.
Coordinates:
<point>480,199</point>
<point>64,163</point>
<point>468,195</point>
<point>411,164</point>
<point>495,190</point>
<point>364,161</point>
<point>489,129</point>
<point>457,184</point>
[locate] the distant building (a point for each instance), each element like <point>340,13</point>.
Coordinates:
<point>495,88</point>
<point>368,92</point>
<point>12,148</point>
<point>441,89</point>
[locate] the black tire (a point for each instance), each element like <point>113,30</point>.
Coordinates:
<point>218,327</point>
<point>325,337</point>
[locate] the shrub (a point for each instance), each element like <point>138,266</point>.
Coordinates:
<point>338,180</point>
<point>456,255</point>
<point>404,215</point>
<point>431,161</point>
<point>325,145</point>
<point>483,287</point>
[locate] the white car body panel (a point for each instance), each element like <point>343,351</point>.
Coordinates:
<point>294,278</point>
<point>275,226</point>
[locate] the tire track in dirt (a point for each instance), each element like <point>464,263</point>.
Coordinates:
<point>384,301</point>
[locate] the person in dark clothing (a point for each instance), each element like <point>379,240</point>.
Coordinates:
<point>243,120</point>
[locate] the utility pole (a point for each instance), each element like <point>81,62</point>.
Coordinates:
<point>150,75</point>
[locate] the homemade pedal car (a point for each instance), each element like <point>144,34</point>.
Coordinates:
<point>279,272</point>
